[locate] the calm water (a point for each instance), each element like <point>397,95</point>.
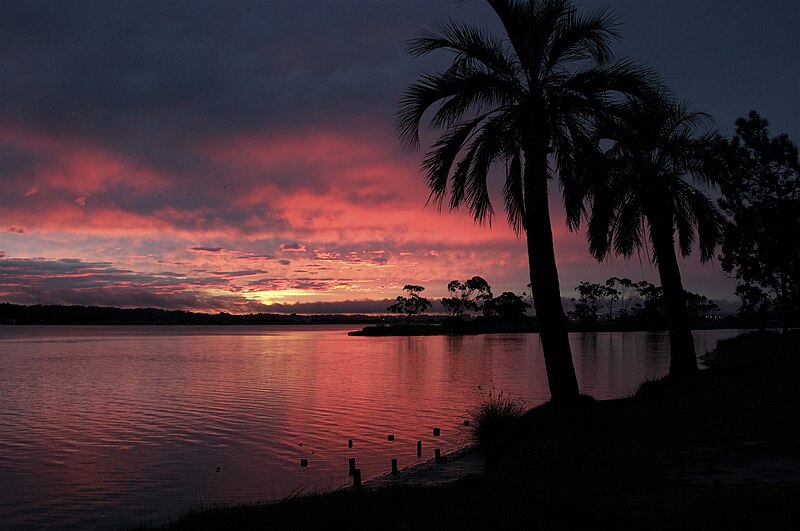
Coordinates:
<point>106,426</point>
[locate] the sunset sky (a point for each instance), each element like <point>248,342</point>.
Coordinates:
<point>241,157</point>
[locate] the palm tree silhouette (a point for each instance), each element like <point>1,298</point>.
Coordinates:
<point>638,191</point>
<point>519,102</point>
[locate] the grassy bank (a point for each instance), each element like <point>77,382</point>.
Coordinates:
<point>722,452</point>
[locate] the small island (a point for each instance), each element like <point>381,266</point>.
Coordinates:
<point>447,328</point>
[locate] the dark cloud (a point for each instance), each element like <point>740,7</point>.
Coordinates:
<point>234,274</point>
<point>359,306</point>
<point>72,281</point>
<point>306,284</point>
<point>293,247</point>
<point>207,249</point>
<point>156,73</point>
<point>16,161</point>
<point>157,80</point>
<point>342,307</point>
<point>257,257</point>
<point>37,280</point>
<point>372,199</point>
<point>203,67</point>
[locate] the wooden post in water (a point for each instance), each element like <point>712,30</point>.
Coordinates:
<point>436,432</point>
<point>357,478</point>
<point>390,437</point>
<point>394,466</point>
<point>351,466</point>
<point>419,448</point>
<point>349,443</point>
<point>437,454</point>
<point>304,463</point>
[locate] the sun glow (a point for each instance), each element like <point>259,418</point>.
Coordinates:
<point>282,296</point>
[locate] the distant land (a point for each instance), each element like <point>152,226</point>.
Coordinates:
<point>39,314</point>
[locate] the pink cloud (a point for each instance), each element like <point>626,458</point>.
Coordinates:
<point>81,199</point>
<point>354,201</point>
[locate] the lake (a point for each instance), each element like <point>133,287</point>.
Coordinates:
<point>107,426</point>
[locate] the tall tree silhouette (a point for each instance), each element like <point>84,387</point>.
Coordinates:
<point>761,176</point>
<point>518,102</point>
<point>641,190</point>
<point>412,304</point>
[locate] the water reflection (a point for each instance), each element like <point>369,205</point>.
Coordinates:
<point>454,343</point>
<point>103,425</point>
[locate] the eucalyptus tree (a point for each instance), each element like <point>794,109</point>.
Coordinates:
<point>412,304</point>
<point>509,306</point>
<point>466,296</point>
<point>641,190</point>
<point>517,102</point>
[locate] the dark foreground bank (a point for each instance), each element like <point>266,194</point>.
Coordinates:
<point>720,453</point>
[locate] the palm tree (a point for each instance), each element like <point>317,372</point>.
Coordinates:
<point>519,103</point>
<point>638,192</point>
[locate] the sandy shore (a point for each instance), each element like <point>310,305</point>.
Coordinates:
<point>454,465</point>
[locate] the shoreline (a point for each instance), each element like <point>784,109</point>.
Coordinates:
<point>718,451</point>
<point>453,466</point>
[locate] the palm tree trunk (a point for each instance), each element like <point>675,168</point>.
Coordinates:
<point>545,286</point>
<point>682,356</point>
<point>783,299</point>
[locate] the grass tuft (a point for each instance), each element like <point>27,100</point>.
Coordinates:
<point>494,416</point>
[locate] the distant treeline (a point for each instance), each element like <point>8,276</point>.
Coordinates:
<point>97,315</point>
<point>620,303</point>
<point>591,314</point>
<point>616,304</point>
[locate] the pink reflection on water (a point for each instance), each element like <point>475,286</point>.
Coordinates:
<point>106,426</point>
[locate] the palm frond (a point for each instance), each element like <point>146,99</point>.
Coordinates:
<point>603,221</point>
<point>469,43</point>
<point>580,37</point>
<point>440,160</point>
<point>630,226</point>
<point>513,193</point>
<point>472,91</point>
<point>415,100</point>
<point>487,148</point>
<point>683,219</point>
<point>708,221</point>
<point>598,85</point>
